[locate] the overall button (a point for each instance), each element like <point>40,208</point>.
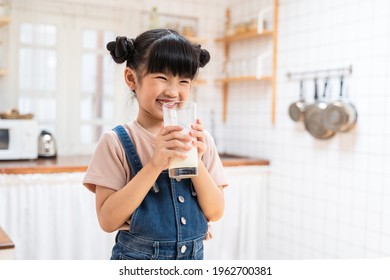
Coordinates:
<point>183,249</point>
<point>183,220</point>
<point>181,199</point>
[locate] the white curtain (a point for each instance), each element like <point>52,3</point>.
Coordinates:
<point>240,233</point>
<point>52,216</point>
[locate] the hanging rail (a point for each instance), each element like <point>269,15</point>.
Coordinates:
<point>323,73</point>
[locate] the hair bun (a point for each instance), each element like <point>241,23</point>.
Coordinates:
<point>121,49</point>
<point>204,57</point>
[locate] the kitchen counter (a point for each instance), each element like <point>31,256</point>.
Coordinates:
<point>43,165</point>
<point>5,241</point>
<point>234,160</point>
<point>80,163</point>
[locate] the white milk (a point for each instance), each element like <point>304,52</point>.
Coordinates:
<point>190,161</point>
<point>185,168</point>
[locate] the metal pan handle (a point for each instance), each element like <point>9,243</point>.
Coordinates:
<point>325,88</point>
<point>301,96</point>
<point>341,86</point>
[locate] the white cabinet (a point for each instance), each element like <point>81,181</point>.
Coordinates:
<point>7,254</point>
<point>52,216</point>
<point>241,232</point>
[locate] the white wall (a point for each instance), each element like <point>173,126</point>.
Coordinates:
<point>327,199</point>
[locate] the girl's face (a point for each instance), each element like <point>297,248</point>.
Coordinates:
<point>155,89</point>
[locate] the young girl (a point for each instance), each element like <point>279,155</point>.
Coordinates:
<point>156,217</point>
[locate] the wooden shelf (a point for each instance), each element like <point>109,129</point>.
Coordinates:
<point>228,40</point>
<point>225,84</point>
<point>4,21</point>
<point>5,241</point>
<point>243,36</point>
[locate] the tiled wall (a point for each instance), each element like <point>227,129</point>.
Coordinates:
<point>327,199</point>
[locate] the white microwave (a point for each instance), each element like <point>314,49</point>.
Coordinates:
<point>18,139</point>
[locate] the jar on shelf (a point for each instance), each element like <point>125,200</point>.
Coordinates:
<point>252,25</point>
<point>265,20</point>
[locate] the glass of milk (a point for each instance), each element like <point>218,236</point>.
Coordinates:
<point>182,113</point>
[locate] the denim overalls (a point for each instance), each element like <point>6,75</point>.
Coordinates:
<point>168,224</point>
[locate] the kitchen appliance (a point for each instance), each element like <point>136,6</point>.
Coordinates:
<point>18,138</point>
<point>341,115</point>
<point>296,110</point>
<point>314,115</point>
<point>47,147</point>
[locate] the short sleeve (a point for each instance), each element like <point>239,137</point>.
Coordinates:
<point>213,162</point>
<point>108,166</point>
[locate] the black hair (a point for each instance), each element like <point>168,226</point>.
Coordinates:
<point>159,50</point>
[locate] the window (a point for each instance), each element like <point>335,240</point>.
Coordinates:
<point>38,72</point>
<point>97,85</point>
<point>66,78</point>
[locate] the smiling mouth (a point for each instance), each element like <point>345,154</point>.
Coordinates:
<point>163,101</point>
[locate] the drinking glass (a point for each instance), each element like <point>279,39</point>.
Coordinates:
<point>184,114</point>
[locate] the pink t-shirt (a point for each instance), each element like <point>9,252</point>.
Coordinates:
<point>109,167</point>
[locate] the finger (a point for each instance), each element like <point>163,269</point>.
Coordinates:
<point>199,145</point>
<point>177,135</point>
<point>171,128</point>
<point>175,154</point>
<point>197,126</point>
<point>198,135</point>
<point>177,144</point>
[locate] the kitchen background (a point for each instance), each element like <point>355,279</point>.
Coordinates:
<point>324,198</point>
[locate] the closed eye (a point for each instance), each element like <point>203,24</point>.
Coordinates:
<point>161,77</point>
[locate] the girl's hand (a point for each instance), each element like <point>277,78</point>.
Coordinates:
<point>170,142</point>
<point>200,142</point>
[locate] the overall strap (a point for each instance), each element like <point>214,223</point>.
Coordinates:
<point>131,153</point>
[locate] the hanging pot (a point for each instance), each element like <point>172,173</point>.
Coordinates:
<point>341,115</point>
<point>314,115</point>
<point>297,109</point>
